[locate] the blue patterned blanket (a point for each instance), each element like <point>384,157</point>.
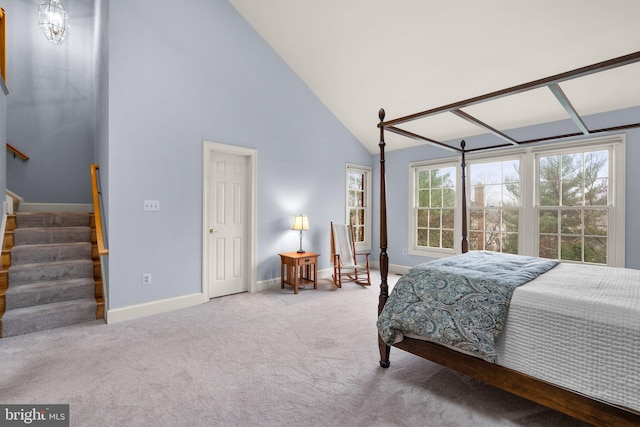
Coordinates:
<point>460,301</point>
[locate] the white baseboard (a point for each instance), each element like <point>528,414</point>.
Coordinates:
<point>9,201</point>
<point>155,307</point>
<point>264,285</point>
<point>393,268</point>
<point>3,227</point>
<point>7,205</point>
<point>325,274</point>
<point>55,207</point>
<point>274,283</point>
<point>398,269</point>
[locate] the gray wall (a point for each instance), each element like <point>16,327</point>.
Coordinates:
<point>101,136</point>
<point>201,73</point>
<point>50,109</point>
<point>397,172</point>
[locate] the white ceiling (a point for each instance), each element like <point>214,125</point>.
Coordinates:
<point>413,55</point>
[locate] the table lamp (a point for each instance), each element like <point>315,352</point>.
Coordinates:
<point>300,222</point>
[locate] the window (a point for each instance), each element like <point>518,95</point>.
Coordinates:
<point>494,206</point>
<point>561,201</point>
<point>574,206</point>
<point>359,204</point>
<point>433,219</point>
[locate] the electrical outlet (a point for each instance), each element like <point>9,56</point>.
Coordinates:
<point>404,252</point>
<point>152,205</point>
<point>146,279</point>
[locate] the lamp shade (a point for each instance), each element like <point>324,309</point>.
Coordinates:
<point>300,222</point>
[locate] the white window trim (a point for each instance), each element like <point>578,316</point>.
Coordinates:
<point>617,175</point>
<point>524,192</point>
<point>413,248</point>
<point>528,239</point>
<point>366,245</point>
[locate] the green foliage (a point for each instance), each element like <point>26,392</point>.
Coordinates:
<point>435,201</point>
<point>572,195</point>
<point>571,184</point>
<point>494,216</point>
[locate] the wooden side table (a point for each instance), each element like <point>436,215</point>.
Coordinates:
<point>301,268</point>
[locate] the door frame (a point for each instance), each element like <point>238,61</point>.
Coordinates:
<point>209,150</point>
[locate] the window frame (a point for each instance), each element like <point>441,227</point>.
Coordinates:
<point>367,172</point>
<point>513,154</point>
<point>528,237</point>
<point>414,169</point>
<point>616,145</point>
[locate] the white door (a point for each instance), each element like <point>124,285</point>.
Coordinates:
<point>228,224</point>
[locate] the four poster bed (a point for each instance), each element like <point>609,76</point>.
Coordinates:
<point>589,368</point>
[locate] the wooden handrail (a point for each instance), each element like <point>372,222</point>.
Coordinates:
<point>17,152</point>
<point>3,45</point>
<point>97,210</point>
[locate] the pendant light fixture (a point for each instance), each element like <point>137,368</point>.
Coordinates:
<point>54,21</point>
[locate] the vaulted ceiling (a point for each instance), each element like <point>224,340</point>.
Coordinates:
<point>413,55</point>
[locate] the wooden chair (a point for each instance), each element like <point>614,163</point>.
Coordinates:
<point>344,257</point>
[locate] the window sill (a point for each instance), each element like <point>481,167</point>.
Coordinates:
<point>432,252</point>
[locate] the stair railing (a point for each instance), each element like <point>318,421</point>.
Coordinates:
<point>3,45</point>
<point>17,152</point>
<point>96,191</point>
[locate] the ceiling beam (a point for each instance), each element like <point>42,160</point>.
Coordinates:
<point>421,138</point>
<point>566,104</point>
<point>591,132</point>
<point>471,119</point>
<point>557,78</point>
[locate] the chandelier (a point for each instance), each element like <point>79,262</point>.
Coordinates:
<point>54,21</point>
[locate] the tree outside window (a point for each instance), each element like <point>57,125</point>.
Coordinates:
<point>358,204</point>
<point>435,207</point>
<point>561,201</point>
<point>574,206</point>
<point>494,206</point>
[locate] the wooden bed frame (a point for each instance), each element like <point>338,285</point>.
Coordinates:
<point>566,401</point>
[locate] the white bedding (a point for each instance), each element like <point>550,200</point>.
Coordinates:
<point>578,327</point>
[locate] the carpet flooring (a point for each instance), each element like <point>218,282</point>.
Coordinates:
<point>264,359</point>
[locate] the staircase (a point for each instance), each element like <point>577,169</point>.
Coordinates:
<point>51,275</point>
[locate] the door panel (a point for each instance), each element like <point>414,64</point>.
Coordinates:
<point>227,223</point>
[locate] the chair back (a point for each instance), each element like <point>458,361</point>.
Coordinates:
<point>342,243</point>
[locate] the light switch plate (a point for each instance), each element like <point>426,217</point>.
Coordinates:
<point>146,279</point>
<point>152,205</point>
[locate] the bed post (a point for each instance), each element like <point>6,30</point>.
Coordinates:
<point>465,242</point>
<point>384,258</point>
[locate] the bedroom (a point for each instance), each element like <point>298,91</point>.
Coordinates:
<point>126,143</point>
<point>161,106</point>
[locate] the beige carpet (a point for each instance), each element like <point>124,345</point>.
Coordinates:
<point>267,359</point>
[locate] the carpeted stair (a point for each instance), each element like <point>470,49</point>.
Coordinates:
<point>51,277</point>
